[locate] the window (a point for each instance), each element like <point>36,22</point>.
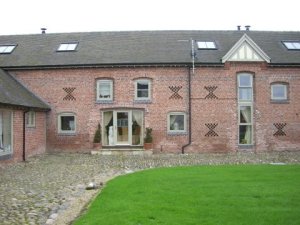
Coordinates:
<point>278,92</point>
<point>245,87</point>
<point>206,45</point>
<point>104,90</point>
<point>6,49</point>
<point>66,123</point>
<point>142,89</point>
<point>292,45</point>
<point>64,47</point>
<point>5,132</point>
<point>176,122</point>
<point>245,108</point>
<point>30,119</point>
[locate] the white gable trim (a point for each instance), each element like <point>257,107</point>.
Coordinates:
<point>252,51</point>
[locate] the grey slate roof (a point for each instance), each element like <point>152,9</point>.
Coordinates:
<point>14,93</point>
<point>138,47</point>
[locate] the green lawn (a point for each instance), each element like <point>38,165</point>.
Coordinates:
<point>201,195</point>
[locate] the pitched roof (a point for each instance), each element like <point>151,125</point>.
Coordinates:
<point>14,93</point>
<point>139,47</point>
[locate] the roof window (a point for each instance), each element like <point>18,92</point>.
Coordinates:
<point>292,45</point>
<point>65,47</point>
<point>6,49</point>
<point>206,45</point>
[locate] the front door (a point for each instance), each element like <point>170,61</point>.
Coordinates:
<point>122,127</point>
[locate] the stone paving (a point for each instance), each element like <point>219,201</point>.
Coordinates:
<point>43,189</point>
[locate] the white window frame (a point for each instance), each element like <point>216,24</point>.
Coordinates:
<point>285,97</point>
<point>99,82</point>
<point>30,119</point>
<point>7,49</point>
<point>136,89</point>
<point>245,123</point>
<point>8,150</point>
<point>67,47</point>
<point>245,102</point>
<point>60,131</point>
<point>292,45</point>
<point>169,122</point>
<point>206,45</point>
<point>245,87</point>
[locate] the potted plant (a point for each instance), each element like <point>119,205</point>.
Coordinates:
<point>97,137</point>
<point>148,139</point>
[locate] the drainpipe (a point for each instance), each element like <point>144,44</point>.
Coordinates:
<point>189,112</point>
<point>24,135</point>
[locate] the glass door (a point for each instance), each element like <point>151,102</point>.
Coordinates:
<point>123,131</point>
<point>122,127</point>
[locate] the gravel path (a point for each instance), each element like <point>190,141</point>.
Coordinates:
<point>51,188</point>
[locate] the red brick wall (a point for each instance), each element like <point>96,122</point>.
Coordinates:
<point>49,84</point>
<point>35,137</point>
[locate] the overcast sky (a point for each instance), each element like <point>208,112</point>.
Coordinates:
<point>28,16</point>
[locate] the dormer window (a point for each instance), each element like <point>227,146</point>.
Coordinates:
<point>66,47</point>
<point>7,49</point>
<point>206,45</point>
<point>292,45</point>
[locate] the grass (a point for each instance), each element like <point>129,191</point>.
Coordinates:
<point>201,195</point>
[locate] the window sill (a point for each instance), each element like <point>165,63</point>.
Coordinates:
<point>246,146</point>
<point>67,134</point>
<point>140,101</point>
<point>104,102</point>
<point>177,133</point>
<point>273,101</point>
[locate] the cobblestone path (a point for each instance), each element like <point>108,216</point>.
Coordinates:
<point>42,189</point>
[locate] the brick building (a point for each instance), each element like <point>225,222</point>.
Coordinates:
<point>200,91</point>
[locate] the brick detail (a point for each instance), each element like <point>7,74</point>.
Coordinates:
<point>211,90</point>
<point>211,132</point>
<point>175,90</point>
<point>69,96</point>
<point>279,127</point>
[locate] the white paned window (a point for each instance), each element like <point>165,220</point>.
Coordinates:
<point>245,87</point>
<point>279,92</point>
<point>206,45</point>
<point>245,108</point>
<point>292,45</point>
<point>104,90</point>
<point>5,132</point>
<point>176,122</point>
<point>66,123</point>
<point>30,119</point>
<point>67,47</point>
<point>142,89</point>
<point>6,49</point>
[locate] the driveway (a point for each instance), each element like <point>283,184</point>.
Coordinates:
<point>51,188</point>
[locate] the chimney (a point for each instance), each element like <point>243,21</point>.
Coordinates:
<point>247,27</point>
<point>43,30</point>
<point>239,27</point>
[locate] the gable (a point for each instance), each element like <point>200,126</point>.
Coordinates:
<point>246,50</point>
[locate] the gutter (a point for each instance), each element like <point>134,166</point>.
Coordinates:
<point>189,113</point>
<point>24,135</point>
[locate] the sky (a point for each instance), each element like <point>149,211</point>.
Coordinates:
<point>64,16</point>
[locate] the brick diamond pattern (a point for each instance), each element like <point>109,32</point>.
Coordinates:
<point>211,90</point>
<point>280,131</point>
<point>211,132</point>
<point>69,96</point>
<point>175,90</point>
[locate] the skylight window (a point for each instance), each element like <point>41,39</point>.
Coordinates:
<point>65,47</point>
<point>206,45</point>
<point>292,45</point>
<point>6,49</point>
